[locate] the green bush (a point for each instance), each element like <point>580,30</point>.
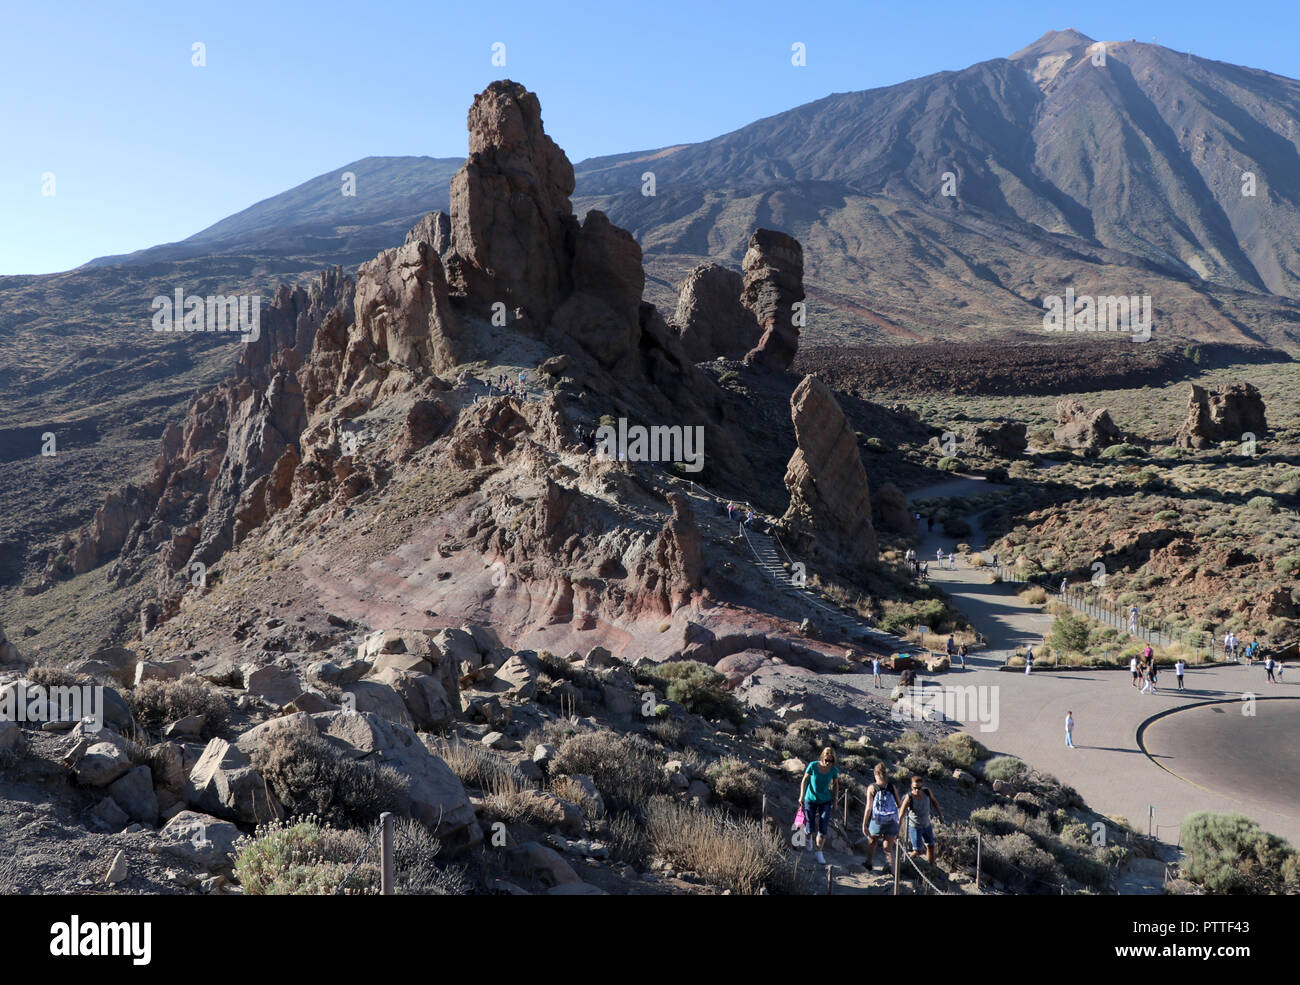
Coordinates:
<point>950,463</point>
<point>1228,854</point>
<point>1287,566</point>
<point>1265,504</point>
<point>306,858</point>
<point>697,687</point>
<point>961,751</point>
<point>1070,633</point>
<point>1121,451</point>
<point>1008,769</point>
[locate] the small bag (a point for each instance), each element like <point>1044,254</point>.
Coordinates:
<point>800,819</point>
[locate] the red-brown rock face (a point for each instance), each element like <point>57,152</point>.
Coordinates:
<point>511,221</point>
<point>830,500</point>
<point>710,319</point>
<point>773,268</point>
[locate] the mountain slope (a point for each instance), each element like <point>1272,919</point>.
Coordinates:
<point>317,218</point>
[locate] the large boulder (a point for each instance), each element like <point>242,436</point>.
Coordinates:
<point>423,694</point>
<point>432,793</point>
<point>224,784</point>
<point>830,499</point>
<point>1226,415</point>
<point>1088,431</point>
<point>710,319</point>
<point>133,792</point>
<point>773,269</point>
<point>199,839</point>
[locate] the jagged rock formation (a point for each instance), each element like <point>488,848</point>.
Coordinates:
<point>773,268</point>
<point>710,319</point>
<point>1221,416</point>
<point>216,473</point>
<point>830,500</point>
<point>1084,430</point>
<point>350,382</point>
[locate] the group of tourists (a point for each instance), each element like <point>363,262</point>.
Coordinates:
<point>733,512</point>
<point>1234,650</point>
<point>919,570</point>
<point>882,819</point>
<point>1146,673</point>
<point>956,653</point>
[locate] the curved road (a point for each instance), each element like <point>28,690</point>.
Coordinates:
<point>1221,761</point>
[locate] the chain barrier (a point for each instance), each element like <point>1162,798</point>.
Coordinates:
<point>360,858</point>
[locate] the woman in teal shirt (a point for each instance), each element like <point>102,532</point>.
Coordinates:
<point>818,792</point>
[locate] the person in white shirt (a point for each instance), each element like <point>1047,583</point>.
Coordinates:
<point>1179,667</point>
<point>1029,659</point>
<point>1069,729</point>
<point>1133,669</point>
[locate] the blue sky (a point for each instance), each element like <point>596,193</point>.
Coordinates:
<point>146,148</point>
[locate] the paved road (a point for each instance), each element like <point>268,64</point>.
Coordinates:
<point>1220,762</point>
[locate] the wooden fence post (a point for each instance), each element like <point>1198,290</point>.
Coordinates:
<point>387,872</point>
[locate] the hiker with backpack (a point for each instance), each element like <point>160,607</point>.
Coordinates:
<point>818,792</point>
<point>880,818</point>
<point>916,810</point>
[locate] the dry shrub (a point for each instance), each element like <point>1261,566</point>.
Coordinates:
<point>738,783</point>
<point>157,704</point>
<point>513,800</point>
<point>477,766</point>
<point>627,769</point>
<point>736,854</point>
<point>312,777</point>
<point>1036,595</point>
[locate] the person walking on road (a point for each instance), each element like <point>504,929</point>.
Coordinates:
<point>875,672</point>
<point>818,792</point>
<point>1268,667</point>
<point>1029,659</point>
<point>962,651</point>
<point>1133,669</point>
<point>880,818</point>
<point>915,810</point>
<point>1179,668</point>
<point>1069,729</point>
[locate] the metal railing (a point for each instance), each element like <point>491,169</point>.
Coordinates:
<point>1082,599</point>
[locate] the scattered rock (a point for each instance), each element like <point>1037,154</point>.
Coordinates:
<point>1221,415</point>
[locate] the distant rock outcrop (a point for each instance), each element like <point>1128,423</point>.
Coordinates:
<point>1221,416</point>
<point>830,499</point>
<point>773,268</point>
<point>1084,430</point>
<point>1004,441</point>
<point>710,318</point>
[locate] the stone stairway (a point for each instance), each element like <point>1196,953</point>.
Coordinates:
<point>772,558</point>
